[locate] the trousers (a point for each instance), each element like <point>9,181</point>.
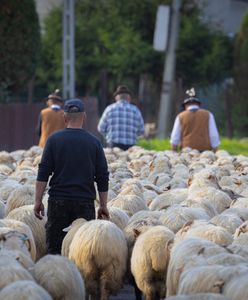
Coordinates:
<point>60,214</point>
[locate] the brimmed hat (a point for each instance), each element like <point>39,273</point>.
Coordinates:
<point>192,97</point>
<point>122,89</point>
<point>55,96</point>
<point>73,106</point>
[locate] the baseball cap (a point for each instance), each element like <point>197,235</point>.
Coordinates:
<point>73,106</point>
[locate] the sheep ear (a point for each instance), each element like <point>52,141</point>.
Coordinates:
<point>136,232</point>
<point>67,229</point>
<point>169,244</point>
<point>186,226</point>
<point>190,180</point>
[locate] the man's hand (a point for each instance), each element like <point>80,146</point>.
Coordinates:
<point>39,210</point>
<point>103,213</point>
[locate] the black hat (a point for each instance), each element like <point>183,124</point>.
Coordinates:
<point>192,97</point>
<point>122,89</point>
<point>73,106</point>
<point>55,96</point>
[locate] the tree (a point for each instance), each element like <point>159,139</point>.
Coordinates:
<point>240,109</point>
<point>20,43</point>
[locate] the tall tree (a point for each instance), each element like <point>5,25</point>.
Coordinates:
<point>20,43</point>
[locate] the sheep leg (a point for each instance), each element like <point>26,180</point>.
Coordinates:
<point>103,290</point>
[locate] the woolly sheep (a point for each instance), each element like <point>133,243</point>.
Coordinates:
<point>71,230</point>
<point>240,203</point>
<point>26,214</point>
<point>239,250</point>
<point>242,239</point>
<point>118,216</point>
<point>228,221</point>
<point>64,280</point>
<point>99,250</point>
<point>12,271</point>
<point>168,198</point>
<point>176,216</point>
<point>13,240</point>
<point>150,259</point>
<point>4,169</point>
<point>149,196</point>
<point>236,288</point>
<point>203,204</point>
<point>24,290</point>
<point>208,279</point>
<point>6,187</point>
<point>23,195</point>
<point>211,232</point>
<point>191,251</point>
<point>129,203</point>
<point>242,213</point>
<point>226,259</point>
<point>24,229</point>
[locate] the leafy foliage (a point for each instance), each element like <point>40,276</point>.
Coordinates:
<point>20,43</point>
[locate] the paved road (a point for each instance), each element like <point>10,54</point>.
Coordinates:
<point>127,293</point>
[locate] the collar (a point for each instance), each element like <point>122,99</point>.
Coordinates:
<point>55,106</point>
<point>193,107</point>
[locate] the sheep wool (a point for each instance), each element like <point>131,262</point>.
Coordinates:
<point>99,250</point>
<point>201,296</point>
<point>26,214</point>
<point>60,277</point>
<point>24,290</point>
<point>71,230</point>
<point>149,261</point>
<point>23,229</point>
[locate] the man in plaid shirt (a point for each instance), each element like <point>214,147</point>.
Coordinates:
<point>121,122</point>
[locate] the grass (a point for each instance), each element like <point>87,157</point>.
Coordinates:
<point>233,146</point>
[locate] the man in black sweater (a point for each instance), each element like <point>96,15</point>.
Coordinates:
<point>76,160</point>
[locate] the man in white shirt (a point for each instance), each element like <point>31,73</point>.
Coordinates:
<point>194,127</point>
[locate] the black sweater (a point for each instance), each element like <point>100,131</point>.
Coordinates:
<point>75,159</point>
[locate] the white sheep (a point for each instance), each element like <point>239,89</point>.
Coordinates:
<point>64,280</point>
<point>188,253</point>
<point>176,216</point>
<point>24,290</point>
<point>23,195</point>
<point>11,270</point>
<point>26,214</point>
<point>228,221</point>
<point>22,228</point>
<point>149,261</point>
<point>205,230</point>
<point>118,216</point>
<point>71,230</point>
<point>236,288</point>
<point>99,249</point>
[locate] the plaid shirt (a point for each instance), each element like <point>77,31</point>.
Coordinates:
<point>121,123</point>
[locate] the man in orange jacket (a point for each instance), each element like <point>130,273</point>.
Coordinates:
<point>51,119</point>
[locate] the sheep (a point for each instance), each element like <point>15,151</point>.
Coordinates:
<point>64,280</point>
<point>240,203</point>
<point>176,216</point>
<point>208,279</point>
<point>25,260</point>
<point>205,230</point>
<point>228,221</point>
<point>71,230</point>
<point>26,214</point>
<point>6,187</point>
<point>24,290</point>
<point>11,271</point>
<point>23,229</point>
<point>118,216</point>
<point>187,253</point>
<point>168,198</point>
<point>99,250</point>
<point>241,240</point>
<point>226,259</point>
<point>242,213</point>
<point>203,204</point>
<point>236,288</point>
<point>23,195</point>
<point>13,240</point>
<point>129,203</point>
<point>150,259</point>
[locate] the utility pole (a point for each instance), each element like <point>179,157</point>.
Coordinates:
<point>169,73</point>
<point>68,49</point>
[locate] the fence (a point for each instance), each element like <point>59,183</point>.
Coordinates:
<point>19,120</point>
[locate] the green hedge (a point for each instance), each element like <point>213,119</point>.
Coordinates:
<point>233,146</point>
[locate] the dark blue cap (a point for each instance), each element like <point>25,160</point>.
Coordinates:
<point>73,106</point>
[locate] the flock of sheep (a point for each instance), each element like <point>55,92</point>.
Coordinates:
<point>178,229</point>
